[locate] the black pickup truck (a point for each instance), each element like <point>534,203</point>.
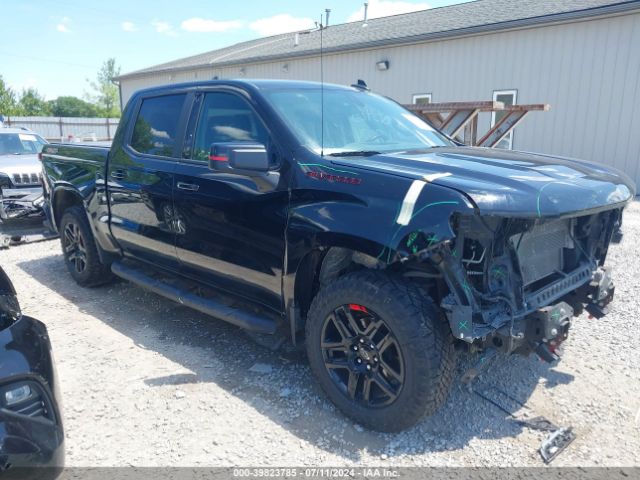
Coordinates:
<point>332,216</point>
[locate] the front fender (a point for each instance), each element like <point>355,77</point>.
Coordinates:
<point>385,216</point>
<point>389,223</point>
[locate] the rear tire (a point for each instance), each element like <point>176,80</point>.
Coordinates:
<point>380,349</point>
<point>80,250</point>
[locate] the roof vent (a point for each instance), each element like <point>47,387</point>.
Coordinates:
<point>366,9</point>
<point>327,11</point>
<point>296,40</point>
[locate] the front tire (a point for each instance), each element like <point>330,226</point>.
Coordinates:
<point>380,349</point>
<point>80,250</point>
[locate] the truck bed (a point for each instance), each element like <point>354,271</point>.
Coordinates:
<point>75,151</point>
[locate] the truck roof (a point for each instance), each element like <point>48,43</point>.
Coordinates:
<point>256,84</point>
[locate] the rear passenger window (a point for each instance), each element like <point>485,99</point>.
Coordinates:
<point>156,126</point>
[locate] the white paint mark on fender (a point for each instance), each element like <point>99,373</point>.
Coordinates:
<point>409,202</point>
<point>435,176</point>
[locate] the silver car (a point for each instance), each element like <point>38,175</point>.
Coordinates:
<point>20,171</point>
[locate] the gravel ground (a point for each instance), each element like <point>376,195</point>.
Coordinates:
<point>147,382</point>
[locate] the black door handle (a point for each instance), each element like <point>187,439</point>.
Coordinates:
<point>190,187</point>
<point>118,174</point>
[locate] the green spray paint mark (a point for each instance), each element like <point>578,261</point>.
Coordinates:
<point>415,214</point>
<point>455,253</point>
<point>539,195</point>
<point>463,325</point>
<point>555,315</point>
<point>328,168</point>
<point>412,238</point>
<point>432,205</point>
<point>432,239</point>
<point>497,272</point>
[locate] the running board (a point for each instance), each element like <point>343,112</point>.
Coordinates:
<point>241,318</point>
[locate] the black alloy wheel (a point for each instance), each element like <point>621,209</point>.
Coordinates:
<point>380,349</point>
<point>80,249</point>
<point>74,247</point>
<point>362,356</point>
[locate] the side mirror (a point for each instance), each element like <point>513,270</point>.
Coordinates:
<point>238,158</point>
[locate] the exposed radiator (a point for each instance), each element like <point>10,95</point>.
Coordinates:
<point>540,249</point>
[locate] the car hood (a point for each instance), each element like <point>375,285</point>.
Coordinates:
<point>505,182</point>
<point>10,164</point>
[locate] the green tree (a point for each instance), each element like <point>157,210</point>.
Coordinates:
<point>31,103</point>
<point>8,100</point>
<point>106,95</point>
<point>72,107</point>
<point>142,136</point>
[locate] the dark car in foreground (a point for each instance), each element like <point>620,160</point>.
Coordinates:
<point>31,433</point>
<point>332,216</point>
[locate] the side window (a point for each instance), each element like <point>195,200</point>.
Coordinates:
<point>154,132</point>
<point>508,97</point>
<point>226,117</point>
<point>421,99</point>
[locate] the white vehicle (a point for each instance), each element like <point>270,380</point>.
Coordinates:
<point>20,186</point>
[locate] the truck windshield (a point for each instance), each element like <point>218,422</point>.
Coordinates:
<point>20,144</point>
<point>354,121</point>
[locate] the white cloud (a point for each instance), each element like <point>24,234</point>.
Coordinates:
<point>129,26</point>
<point>282,23</point>
<point>385,8</point>
<point>163,27</point>
<point>160,134</point>
<point>206,25</point>
<point>63,26</point>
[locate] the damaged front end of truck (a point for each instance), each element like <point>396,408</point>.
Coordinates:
<point>513,285</point>
<point>519,252</point>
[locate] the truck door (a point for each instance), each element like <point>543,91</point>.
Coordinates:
<point>140,179</point>
<point>233,225</point>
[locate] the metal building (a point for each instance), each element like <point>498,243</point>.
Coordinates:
<point>580,56</point>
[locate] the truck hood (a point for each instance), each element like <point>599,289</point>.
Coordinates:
<point>10,164</point>
<point>504,182</point>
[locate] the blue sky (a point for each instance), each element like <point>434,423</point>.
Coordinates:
<point>55,45</point>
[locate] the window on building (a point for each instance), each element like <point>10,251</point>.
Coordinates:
<point>508,97</point>
<point>154,132</point>
<point>226,117</point>
<point>421,99</point>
